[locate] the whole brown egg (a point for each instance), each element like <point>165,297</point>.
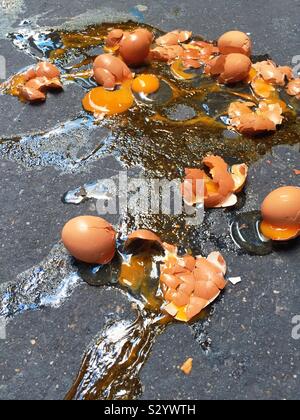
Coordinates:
<point>90,239</point>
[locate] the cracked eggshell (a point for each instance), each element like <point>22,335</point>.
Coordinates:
<point>219,171</point>
<point>293,88</point>
<point>232,68</point>
<point>135,47</point>
<point>32,95</point>
<point>254,122</point>
<point>114,38</point>
<point>90,239</point>
<point>272,73</point>
<point>190,284</point>
<point>235,42</point>
<point>173,38</point>
<point>110,70</point>
<point>46,69</point>
<point>144,236</point>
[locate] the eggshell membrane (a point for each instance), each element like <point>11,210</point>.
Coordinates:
<point>135,46</point>
<point>146,83</point>
<point>197,285</point>
<point>49,70</point>
<point>90,239</point>
<point>272,73</point>
<point>108,69</point>
<point>282,207</point>
<point>231,68</point>
<point>235,42</point>
<point>293,88</point>
<point>144,235</point>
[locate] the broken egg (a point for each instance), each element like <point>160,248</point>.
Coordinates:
<point>142,239</point>
<point>166,54</point>
<point>219,189</point>
<point>102,102</point>
<point>235,42</point>
<point>110,71</point>
<point>281,214</point>
<point>173,38</point>
<point>135,46</point>
<point>191,284</point>
<point>46,69</point>
<point>293,88</point>
<point>231,68</point>
<point>90,239</point>
<point>271,73</point>
<point>251,120</point>
<point>146,84</point>
<point>114,37</point>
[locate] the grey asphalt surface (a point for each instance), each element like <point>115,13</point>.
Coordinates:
<point>252,353</point>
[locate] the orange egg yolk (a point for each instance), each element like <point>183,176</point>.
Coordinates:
<point>262,88</point>
<point>279,233</point>
<point>179,71</point>
<point>146,83</point>
<point>104,102</point>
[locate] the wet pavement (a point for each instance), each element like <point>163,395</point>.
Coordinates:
<point>246,349</point>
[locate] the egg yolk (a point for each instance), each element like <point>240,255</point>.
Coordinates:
<point>279,233</point>
<point>104,102</point>
<point>262,88</point>
<point>146,83</point>
<point>179,71</point>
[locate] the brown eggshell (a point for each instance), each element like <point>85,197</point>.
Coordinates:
<point>113,66</point>
<point>105,78</point>
<point>29,74</point>
<point>173,38</point>
<point>272,73</point>
<point>189,290</point>
<point>235,42</point>
<point>114,37</point>
<point>236,68</point>
<point>49,70</point>
<point>254,122</point>
<point>293,88</point>
<point>38,83</point>
<point>32,95</point>
<point>90,239</point>
<point>144,236</point>
<point>282,207</point>
<point>221,176</point>
<point>42,84</point>
<point>135,47</point>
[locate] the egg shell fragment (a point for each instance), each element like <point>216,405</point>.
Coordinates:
<point>197,284</point>
<point>110,71</point>
<point>231,68</point>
